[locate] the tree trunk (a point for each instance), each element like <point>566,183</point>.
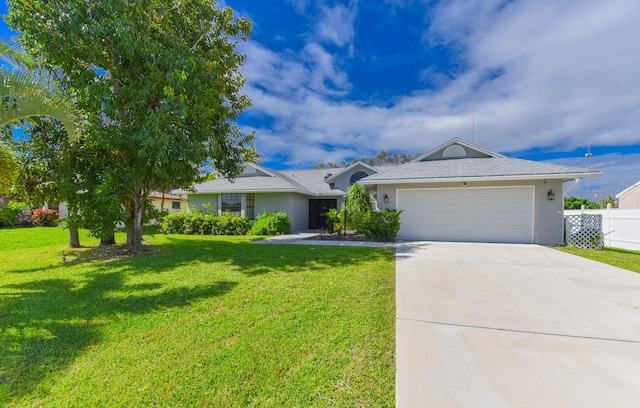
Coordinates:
<point>111,240</point>
<point>134,225</point>
<point>74,238</point>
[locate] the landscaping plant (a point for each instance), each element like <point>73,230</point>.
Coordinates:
<point>45,218</point>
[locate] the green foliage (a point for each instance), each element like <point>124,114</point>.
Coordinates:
<point>160,86</point>
<point>45,218</point>
<point>271,224</point>
<point>334,220</point>
<point>575,203</point>
<point>380,225</point>
<point>383,158</point>
<point>27,92</point>
<point>9,212</point>
<point>358,204</point>
<point>196,222</point>
<point>608,200</point>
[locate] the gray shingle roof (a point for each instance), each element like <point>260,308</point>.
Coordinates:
<point>473,167</point>
<point>310,182</point>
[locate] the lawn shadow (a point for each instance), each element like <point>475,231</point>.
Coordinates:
<point>255,260</point>
<point>46,324</point>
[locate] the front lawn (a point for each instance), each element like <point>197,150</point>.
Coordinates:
<point>622,258</point>
<point>199,321</point>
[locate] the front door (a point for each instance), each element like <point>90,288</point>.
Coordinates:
<point>317,210</point>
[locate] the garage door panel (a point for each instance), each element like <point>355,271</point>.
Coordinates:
<point>467,214</point>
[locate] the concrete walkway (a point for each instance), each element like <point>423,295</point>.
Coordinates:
<point>302,238</point>
<point>492,325</point>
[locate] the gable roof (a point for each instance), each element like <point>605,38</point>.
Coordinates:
<point>494,168</point>
<point>628,190</point>
<point>460,142</point>
<point>345,169</point>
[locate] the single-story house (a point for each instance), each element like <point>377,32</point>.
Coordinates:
<point>456,192</point>
<point>629,198</point>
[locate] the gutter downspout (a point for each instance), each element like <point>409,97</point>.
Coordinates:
<point>570,186</point>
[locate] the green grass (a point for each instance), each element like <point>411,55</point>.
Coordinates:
<point>622,258</point>
<point>198,321</point>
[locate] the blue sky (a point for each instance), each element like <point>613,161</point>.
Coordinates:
<point>332,80</point>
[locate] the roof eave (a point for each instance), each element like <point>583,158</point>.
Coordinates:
<point>555,176</point>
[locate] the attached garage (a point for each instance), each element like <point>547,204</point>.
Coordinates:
<point>469,214</point>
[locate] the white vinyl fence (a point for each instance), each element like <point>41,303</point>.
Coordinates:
<point>621,228</point>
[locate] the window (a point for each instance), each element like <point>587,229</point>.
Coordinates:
<point>175,205</point>
<point>231,203</point>
<point>357,176</point>
<point>250,205</point>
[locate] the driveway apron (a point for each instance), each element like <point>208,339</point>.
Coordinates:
<point>499,325</point>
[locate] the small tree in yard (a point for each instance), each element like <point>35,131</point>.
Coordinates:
<point>159,82</point>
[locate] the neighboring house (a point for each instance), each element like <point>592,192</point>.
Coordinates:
<point>457,192</point>
<point>629,198</point>
<point>167,202</point>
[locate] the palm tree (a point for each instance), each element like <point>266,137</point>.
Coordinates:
<point>27,92</point>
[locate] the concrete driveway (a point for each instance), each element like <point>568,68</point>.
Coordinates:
<point>493,325</point>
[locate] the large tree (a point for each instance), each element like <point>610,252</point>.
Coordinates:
<point>159,81</point>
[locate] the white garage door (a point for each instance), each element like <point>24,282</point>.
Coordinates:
<point>495,214</point>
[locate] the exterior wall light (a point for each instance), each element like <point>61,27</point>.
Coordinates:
<point>551,196</point>
<point>386,198</point>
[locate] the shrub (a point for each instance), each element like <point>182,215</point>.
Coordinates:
<point>45,218</point>
<point>380,225</point>
<point>272,224</point>
<point>9,213</point>
<point>229,224</point>
<point>197,222</point>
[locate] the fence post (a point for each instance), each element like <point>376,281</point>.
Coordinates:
<point>609,232</point>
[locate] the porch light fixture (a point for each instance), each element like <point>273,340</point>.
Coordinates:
<point>551,196</point>
<point>386,198</point>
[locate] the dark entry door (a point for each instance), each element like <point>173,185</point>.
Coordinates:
<point>317,209</point>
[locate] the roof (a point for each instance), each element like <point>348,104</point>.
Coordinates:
<point>628,190</point>
<point>308,182</point>
<point>461,142</point>
<point>330,178</point>
<point>167,196</point>
<point>479,168</point>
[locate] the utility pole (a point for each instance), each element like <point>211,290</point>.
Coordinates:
<point>588,156</point>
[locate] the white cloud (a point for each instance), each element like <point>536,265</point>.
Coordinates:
<point>547,74</point>
<point>336,24</point>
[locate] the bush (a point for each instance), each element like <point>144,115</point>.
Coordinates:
<point>195,222</point>
<point>380,225</point>
<point>272,224</point>
<point>45,218</point>
<point>9,213</point>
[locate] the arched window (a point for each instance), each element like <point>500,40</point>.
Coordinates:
<point>357,176</point>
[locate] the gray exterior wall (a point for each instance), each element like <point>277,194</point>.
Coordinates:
<point>271,202</point>
<point>298,211</point>
<point>197,200</point>
<point>548,215</point>
<point>342,181</point>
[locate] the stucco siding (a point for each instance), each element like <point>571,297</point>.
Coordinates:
<point>298,212</point>
<point>342,182</point>
<point>271,202</point>
<point>548,215</point>
<point>630,200</point>
<point>198,200</point>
